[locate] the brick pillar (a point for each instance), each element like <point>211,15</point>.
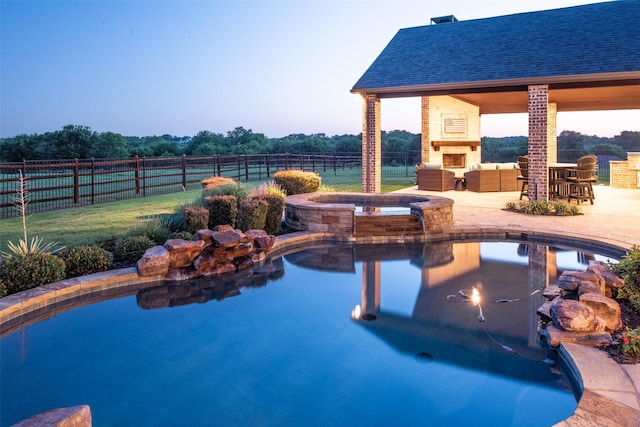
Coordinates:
<point>552,133</point>
<point>538,132</point>
<point>425,139</point>
<point>371,145</point>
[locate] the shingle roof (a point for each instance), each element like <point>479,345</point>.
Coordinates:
<point>598,38</point>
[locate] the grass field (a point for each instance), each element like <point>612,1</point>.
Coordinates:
<point>94,223</point>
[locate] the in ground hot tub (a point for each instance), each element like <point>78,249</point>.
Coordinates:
<point>336,212</point>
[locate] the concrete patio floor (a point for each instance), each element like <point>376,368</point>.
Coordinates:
<point>614,217</point>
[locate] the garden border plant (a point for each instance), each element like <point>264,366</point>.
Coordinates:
<point>543,207</point>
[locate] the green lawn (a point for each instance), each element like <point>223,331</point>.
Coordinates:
<point>95,223</point>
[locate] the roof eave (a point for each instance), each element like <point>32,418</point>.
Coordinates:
<point>565,81</point>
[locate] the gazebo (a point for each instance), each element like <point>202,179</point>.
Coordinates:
<point>581,58</point>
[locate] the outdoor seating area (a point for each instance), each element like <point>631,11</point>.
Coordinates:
<point>574,181</point>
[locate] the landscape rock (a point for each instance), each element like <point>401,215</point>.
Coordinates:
<point>183,252</point>
<point>553,291</point>
<point>570,280</point>
<point>224,227</point>
<point>226,238</point>
<point>586,287</point>
<point>213,252</point>
<point>605,308</point>
<point>154,261</point>
<point>610,278</point>
<point>571,315</point>
<point>205,235</point>
<point>555,336</point>
<point>264,243</point>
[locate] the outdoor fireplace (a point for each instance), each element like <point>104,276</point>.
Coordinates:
<point>454,160</point>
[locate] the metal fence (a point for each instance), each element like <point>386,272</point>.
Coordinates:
<point>58,184</point>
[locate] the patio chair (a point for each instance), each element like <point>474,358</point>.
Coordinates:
<point>582,178</point>
<point>523,166</point>
<point>436,180</point>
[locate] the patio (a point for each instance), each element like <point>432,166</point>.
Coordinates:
<point>614,217</point>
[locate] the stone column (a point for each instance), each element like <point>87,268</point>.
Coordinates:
<point>425,139</point>
<point>538,137</point>
<point>371,145</point>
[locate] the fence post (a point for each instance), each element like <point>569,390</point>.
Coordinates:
<point>266,159</point>
<point>335,159</point>
<point>301,161</point>
<point>144,177</point>
<point>246,167</point>
<point>76,181</point>
<point>184,172</point>
<point>93,180</point>
<point>219,165</point>
<point>137,173</point>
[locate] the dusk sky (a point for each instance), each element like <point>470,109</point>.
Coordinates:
<point>178,67</point>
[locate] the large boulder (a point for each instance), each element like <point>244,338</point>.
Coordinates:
<point>183,252</point>
<point>605,308</point>
<point>264,243</point>
<point>610,278</point>
<point>227,238</point>
<point>570,280</point>
<point>571,315</point>
<point>154,261</point>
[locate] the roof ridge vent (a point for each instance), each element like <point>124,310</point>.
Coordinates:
<point>443,19</point>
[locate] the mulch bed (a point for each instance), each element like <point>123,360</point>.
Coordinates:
<point>630,318</point>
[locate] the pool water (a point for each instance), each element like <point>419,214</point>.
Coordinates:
<point>290,353</point>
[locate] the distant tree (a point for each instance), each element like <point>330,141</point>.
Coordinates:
<point>206,143</point>
<point>347,144</point>
<point>628,140</point>
<point>109,145</point>
<point>241,140</point>
<point>72,142</point>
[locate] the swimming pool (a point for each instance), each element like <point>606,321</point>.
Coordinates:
<point>290,353</point>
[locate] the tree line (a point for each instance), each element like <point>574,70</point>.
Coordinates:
<point>399,147</point>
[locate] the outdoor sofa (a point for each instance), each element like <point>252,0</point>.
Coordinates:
<point>486,177</point>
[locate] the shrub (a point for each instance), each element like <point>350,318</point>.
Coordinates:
<point>216,181</point>
<point>275,209</point>
<point>253,214</point>
<point>195,218</point>
<point>543,207</point>
<point>222,210</point>
<point>183,235</point>
<point>155,229</point>
<point>239,191</point>
<point>19,273</point>
<point>86,259</point>
<point>130,249</point>
<point>297,181</point>
<point>628,269</point>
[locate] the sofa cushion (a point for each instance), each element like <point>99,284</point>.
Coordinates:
<point>432,165</point>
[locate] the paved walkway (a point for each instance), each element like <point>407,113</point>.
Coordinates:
<point>614,218</point>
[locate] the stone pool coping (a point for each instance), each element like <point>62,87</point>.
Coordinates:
<point>609,392</point>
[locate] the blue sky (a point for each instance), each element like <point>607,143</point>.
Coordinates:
<point>179,67</point>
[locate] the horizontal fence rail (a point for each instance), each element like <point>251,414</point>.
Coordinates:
<point>59,184</point>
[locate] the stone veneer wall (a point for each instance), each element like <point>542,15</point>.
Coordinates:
<point>334,212</point>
